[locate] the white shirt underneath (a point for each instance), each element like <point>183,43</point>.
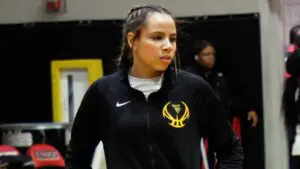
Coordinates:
<point>296,145</point>
<point>146,86</point>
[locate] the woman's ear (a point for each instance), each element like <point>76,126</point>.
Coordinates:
<point>130,39</point>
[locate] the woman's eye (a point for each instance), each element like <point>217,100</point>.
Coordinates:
<point>172,39</point>
<point>157,38</point>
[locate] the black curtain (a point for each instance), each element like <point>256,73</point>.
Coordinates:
<point>27,51</point>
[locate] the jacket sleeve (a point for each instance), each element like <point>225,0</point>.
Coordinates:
<point>87,131</point>
<point>190,69</point>
<point>219,133</point>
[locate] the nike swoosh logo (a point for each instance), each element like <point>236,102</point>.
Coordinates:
<point>122,104</point>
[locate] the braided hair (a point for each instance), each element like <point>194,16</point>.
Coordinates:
<point>294,35</point>
<point>135,19</point>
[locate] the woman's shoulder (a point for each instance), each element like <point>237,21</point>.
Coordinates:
<point>189,78</point>
<point>106,81</point>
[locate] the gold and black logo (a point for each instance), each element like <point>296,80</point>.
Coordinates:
<point>177,114</point>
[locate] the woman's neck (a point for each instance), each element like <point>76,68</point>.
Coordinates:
<point>143,72</point>
<point>203,68</point>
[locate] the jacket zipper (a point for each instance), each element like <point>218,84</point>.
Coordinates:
<point>150,146</point>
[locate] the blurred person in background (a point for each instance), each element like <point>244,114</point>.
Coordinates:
<point>291,107</point>
<point>205,60</point>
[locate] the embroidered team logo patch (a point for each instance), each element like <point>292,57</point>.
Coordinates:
<point>177,114</point>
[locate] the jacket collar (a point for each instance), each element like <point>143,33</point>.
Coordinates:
<point>168,81</point>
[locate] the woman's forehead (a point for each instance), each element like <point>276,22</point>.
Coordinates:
<point>159,22</point>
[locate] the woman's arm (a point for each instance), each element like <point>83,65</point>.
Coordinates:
<point>87,131</point>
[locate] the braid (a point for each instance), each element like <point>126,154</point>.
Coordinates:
<point>125,59</point>
<point>138,10</point>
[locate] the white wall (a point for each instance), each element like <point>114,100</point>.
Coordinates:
<point>291,16</point>
<point>272,46</point>
<point>16,11</point>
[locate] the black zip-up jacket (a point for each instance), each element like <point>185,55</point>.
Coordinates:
<point>162,132</point>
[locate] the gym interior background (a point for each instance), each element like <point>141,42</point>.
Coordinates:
<point>28,47</point>
<point>35,46</point>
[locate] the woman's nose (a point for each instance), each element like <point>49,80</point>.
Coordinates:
<point>167,45</point>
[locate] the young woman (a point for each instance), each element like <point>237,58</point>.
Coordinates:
<point>291,104</point>
<point>148,114</point>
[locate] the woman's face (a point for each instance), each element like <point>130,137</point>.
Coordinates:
<point>155,48</point>
<point>207,57</point>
